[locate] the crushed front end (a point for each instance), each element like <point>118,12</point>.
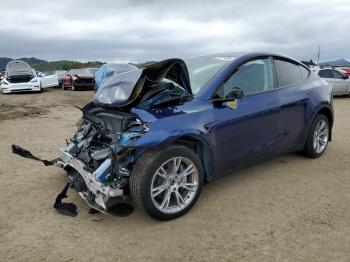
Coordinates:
<point>99,156</point>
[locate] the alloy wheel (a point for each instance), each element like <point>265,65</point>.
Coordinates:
<point>174,185</point>
<point>321,136</point>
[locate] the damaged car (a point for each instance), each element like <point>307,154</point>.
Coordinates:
<point>79,79</point>
<point>160,132</point>
<point>20,77</point>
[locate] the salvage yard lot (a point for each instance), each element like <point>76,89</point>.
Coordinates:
<point>290,208</point>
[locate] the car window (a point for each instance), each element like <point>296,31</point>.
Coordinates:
<point>304,72</point>
<point>337,74</point>
<point>287,73</point>
<point>252,77</point>
<point>326,73</point>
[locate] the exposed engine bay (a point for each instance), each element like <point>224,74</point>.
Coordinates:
<point>98,157</point>
<point>18,72</point>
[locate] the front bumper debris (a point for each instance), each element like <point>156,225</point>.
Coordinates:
<point>97,194</point>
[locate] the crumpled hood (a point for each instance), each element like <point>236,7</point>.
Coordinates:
<point>124,82</point>
<point>18,67</point>
<point>83,73</point>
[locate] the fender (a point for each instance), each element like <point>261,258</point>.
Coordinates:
<point>163,139</point>
<point>327,106</point>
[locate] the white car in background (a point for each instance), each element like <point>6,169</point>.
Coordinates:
<point>20,77</point>
<point>337,79</point>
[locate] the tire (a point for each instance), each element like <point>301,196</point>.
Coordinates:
<point>146,175</point>
<point>311,150</point>
<point>74,88</point>
<point>63,86</point>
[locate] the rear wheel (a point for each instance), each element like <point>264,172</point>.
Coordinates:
<point>318,137</point>
<point>63,86</point>
<point>166,183</point>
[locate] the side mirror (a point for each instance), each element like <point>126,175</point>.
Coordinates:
<point>235,93</point>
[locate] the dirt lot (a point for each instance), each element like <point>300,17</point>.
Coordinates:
<point>287,209</point>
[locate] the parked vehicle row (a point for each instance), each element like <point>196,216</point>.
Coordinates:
<point>20,77</point>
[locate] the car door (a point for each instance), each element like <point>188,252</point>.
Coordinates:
<point>341,83</point>
<point>295,94</point>
<point>246,130</point>
<point>49,80</point>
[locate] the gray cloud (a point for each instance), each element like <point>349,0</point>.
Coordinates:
<point>142,30</point>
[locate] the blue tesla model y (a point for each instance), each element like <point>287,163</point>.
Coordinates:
<point>159,132</point>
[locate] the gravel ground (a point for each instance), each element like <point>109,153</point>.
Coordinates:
<point>287,209</point>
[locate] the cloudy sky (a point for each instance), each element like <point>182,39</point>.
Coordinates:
<point>112,30</point>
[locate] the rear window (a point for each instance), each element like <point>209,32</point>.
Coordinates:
<point>327,73</point>
<point>337,74</point>
<point>287,73</point>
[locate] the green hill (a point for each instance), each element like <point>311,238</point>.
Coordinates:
<point>31,61</point>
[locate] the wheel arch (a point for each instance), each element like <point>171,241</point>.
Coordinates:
<point>328,112</point>
<point>201,149</point>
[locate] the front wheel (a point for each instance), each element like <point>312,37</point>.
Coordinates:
<point>318,137</point>
<point>166,183</point>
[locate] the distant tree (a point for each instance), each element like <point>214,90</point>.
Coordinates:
<point>309,63</point>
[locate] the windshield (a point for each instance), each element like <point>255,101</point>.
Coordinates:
<point>202,69</point>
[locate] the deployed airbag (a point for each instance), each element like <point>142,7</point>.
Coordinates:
<point>107,70</point>
<point>116,89</point>
<point>123,84</point>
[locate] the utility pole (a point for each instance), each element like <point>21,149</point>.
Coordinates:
<point>319,54</point>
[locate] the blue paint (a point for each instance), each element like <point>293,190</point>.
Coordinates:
<point>262,126</point>
<point>103,171</point>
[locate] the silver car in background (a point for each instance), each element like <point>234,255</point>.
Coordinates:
<point>337,79</point>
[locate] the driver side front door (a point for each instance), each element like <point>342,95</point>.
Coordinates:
<point>247,130</point>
